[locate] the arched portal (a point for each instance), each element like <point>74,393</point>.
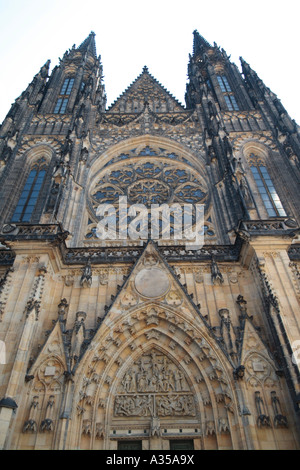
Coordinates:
<point>153,377</point>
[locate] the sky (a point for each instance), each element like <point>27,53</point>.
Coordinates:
<point>158,33</point>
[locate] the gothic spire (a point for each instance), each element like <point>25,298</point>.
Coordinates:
<point>200,43</point>
<point>89,45</point>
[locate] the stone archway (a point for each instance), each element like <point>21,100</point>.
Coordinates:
<point>154,400</point>
<point>186,391</point>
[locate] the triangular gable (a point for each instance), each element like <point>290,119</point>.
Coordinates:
<point>52,351</point>
<point>152,282</point>
<point>256,357</point>
<point>145,90</point>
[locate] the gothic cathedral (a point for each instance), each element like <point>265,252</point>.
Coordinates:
<point>148,341</point>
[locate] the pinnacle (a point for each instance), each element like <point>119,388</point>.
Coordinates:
<point>199,43</point>
<point>89,45</point>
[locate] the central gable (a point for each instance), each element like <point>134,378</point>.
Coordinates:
<point>146,90</point>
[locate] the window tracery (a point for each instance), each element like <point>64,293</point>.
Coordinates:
<point>227,93</point>
<point>160,178</point>
<point>266,187</point>
<point>31,190</point>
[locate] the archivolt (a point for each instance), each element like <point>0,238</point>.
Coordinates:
<point>138,143</point>
<point>119,344</point>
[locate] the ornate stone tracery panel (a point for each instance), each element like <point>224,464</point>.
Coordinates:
<point>154,178</point>
<point>150,182</point>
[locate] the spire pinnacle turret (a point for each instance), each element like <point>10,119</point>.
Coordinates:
<point>89,44</point>
<point>199,43</point>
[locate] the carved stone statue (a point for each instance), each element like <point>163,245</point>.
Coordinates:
<point>86,278</point>
<point>154,383</point>
<point>263,420</point>
<point>279,419</point>
<point>155,427</point>
<point>245,192</point>
<point>47,423</point>
<point>30,424</point>
<point>216,274</point>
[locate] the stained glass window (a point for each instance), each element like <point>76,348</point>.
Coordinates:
<point>62,102</point>
<point>29,195</point>
<point>266,189</point>
<point>228,94</point>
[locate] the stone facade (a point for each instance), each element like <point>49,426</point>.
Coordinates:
<point>148,343</point>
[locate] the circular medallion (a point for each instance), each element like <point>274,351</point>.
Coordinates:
<point>152,282</point>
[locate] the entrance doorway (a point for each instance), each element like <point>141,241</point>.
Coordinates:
<point>129,445</point>
<point>187,444</point>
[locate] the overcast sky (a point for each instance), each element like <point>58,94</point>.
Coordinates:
<point>156,33</point>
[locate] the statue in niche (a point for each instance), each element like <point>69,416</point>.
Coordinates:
<point>30,424</point>
<point>67,148</point>
<point>86,427</point>
<point>62,308</point>
<point>78,336</point>
<point>47,423</point>
<point>263,420</point>
<point>216,274</point>
<point>155,427</point>
<point>99,431</point>
<point>279,419</point>
<point>86,278</point>
<point>245,192</point>
<point>223,425</point>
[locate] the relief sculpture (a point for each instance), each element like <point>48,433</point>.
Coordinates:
<point>154,386</point>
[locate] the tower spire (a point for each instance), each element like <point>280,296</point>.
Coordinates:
<point>199,43</point>
<point>89,45</point>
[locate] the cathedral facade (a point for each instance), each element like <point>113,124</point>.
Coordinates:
<point>143,341</point>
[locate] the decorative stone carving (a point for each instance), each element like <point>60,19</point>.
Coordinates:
<point>78,335</point>
<point>30,424</point>
<point>279,419</point>
<point>87,427</point>
<point>154,386</point>
<point>199,277</point>
<point>86,278</point>
<point>99,431</point>
<point>62,308</point>
<point>216,275</point>
<point>32,305</point>
<point>129,299</point>
<point>47,424</point>
<point>210,428</point>
<point>103,278</point>
<point>223,425</point>
<point>155,427</point>
<point>263,420</point>
<point>173,298</point>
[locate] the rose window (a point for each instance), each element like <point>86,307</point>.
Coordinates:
<point>150,181</point>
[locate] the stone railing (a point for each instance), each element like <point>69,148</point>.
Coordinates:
<point>54,234</point>
<point>29,231</point>
<point>268,227</point>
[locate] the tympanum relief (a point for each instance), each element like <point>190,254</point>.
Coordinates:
<point>154,386</point>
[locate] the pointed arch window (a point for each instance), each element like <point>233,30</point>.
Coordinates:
<point>266,188</point>
<point>63,99</point>
<point>227,93</point>
<point>30,193</point>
